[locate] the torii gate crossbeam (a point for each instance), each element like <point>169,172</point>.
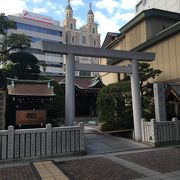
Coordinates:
<point>71,51</point>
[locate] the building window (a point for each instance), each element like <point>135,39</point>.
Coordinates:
<point>84,73</point>
<point>144,2</point>
<point>73,39</point>
<point>37,39</point>
<point>93,30</point>
<point>84,40</point>
<point>94,42</point>
<point>71,26</point>
<point>38,29</point>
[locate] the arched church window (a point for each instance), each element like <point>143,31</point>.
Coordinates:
<point>94,42</point>
<point>73,39</point>
<point>84,40</point>
<point>93,30</point>
<point>71,26</point>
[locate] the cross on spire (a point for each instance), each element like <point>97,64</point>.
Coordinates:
<point>90,6</point>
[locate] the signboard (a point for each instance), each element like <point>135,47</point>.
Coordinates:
<point>37,17</point>
<point>30,117</point>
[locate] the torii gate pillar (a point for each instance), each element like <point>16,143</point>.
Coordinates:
<point>136,100</point>
<point>70,90</point>
<point>71,51</point>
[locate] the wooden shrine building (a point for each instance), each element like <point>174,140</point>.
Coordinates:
<point>27,99</point>
<point>86,91</point>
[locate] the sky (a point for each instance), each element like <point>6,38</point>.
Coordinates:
<point>110,15</point>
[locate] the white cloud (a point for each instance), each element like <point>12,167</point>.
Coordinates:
<point>128,4</point>
<point>54,6</point>
<point>79,22</point>
<point>106,24</point>
<point>123,16</point>
<point>39,10</point>
<point>108,5</point>
<point>77,3</point>
<point>112,24</point>
<point>12,7</point>
<point>37,1</point>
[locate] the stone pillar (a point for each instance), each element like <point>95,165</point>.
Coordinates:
<point>142,129</point>
<point>81,136</point>
<point>48,139</point>
<point>136,100</point>
<point>10,142</point>
<point>177,129</point>
<point>159,102</point>
<point>70,90</point>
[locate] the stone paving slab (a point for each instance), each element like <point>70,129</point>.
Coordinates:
<point>18,173</point>
<point>98,168</point>
<point>99,143</point>
<point>162,160</point>
<point>48,171</point>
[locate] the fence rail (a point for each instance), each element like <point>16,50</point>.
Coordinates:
<point>41,142</point>
<point>163,132</point>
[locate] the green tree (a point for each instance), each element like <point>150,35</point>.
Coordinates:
<point>114,106</point>
<point>146,76</point>
<point>7,71</point>
<point>12,41</point>
<point>56,110</point>
<point>114,101</point>
<point>25,65</point>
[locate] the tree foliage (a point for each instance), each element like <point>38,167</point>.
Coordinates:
<point>114,106</point>
<point>146,76</point>
<point>25,65</point>
<point>7,71</point>
<point>115,103</point>
<point>56,110</point>
<point>11,41</point>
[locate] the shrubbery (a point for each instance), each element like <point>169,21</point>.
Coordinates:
<point>114,101</point>
<point>114,106</point>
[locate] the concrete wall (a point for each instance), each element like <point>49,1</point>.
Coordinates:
<point>168,5</point>
<point>160,133</point>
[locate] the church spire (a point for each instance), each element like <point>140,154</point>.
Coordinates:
<point>90,6</point>
<point>69,10</point>
<point>90,14</point>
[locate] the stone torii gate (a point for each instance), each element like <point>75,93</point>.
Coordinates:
<point>71,51</point>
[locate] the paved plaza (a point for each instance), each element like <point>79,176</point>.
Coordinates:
<point>145,164</point>
<point>97,142</point>
<point>107,158</point>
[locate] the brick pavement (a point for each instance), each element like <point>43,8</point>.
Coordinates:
<point>18,173</point>
<point>162,160</point>
<point>97,168</point>
<point>147,164</point>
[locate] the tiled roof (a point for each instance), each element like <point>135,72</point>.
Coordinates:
<point>80,82</point>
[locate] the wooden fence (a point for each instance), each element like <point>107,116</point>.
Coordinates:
<point>159,133</point>
<point>41,142</point>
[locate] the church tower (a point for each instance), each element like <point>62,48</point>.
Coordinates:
<point>92,26</point>
<point>90,17</point>
<point>69,22</point>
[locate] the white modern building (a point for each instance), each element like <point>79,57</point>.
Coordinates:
<point>168,5</point>
<point>37,28</point>
<point>86,35</point>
